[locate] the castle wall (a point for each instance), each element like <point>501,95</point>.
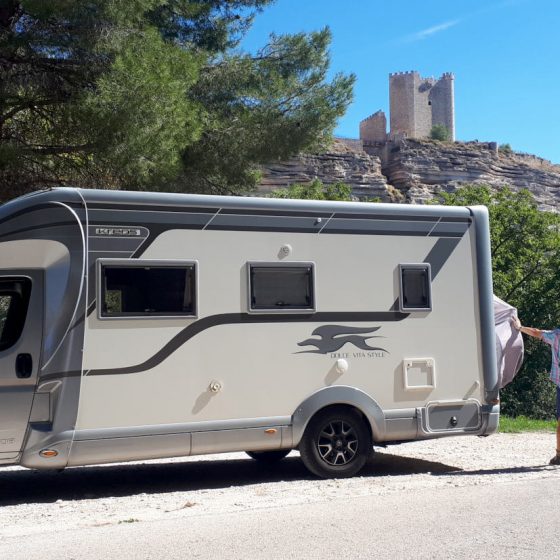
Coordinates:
<point>373,129</point>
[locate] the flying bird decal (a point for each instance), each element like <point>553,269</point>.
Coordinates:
<point>334,337</point>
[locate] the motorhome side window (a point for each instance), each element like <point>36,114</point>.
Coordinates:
<point>14,300</point>
<point>147,290</point>
<point>281,288</point>
<point>415,287</point>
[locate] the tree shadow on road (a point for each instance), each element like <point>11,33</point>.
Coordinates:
<point>508,470</point>
<point>79,483</point>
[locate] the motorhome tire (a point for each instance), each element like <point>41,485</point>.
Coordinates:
<point>268,456</point>
<point>336,443</point>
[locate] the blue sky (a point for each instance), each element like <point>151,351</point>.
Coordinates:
<point>505,55</point>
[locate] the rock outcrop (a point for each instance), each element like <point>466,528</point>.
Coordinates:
<point>421,168</point>
<point>346,163</point>
<point>416,170</point>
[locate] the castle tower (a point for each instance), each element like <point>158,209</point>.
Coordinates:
<point>402,88</point>
<point>442,97</point>
<point>418,103</point>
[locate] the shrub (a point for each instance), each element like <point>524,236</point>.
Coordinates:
<point>505,148</point>
<point>439,132</point>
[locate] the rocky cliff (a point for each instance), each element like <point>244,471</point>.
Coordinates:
<point>343,162</point>
<point>416,170</point>
<point>420,168</point>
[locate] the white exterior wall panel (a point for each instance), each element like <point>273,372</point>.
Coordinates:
<point>260,365</point>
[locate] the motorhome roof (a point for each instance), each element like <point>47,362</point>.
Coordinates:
<point>176,201</point>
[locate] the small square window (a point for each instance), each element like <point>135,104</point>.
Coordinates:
<point>283,288</point>
<point>415,287</point>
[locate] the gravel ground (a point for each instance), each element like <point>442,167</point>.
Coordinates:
<point>35,502</point>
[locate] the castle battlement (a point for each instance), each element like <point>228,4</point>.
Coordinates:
<point>373,116</point>
<point>405,73</point>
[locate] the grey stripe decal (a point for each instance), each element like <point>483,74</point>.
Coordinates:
<point>11,233</point>
<point>121,244</point>
<point>197,220</point>
<point>401,217</point>
<point>94,206</point>
<point>449,230</point>
<point>243,318</point>
<point>374,231</point>
<point>275,213</point>
<point>237,318</point>
<point>109,254</point>
<point>281,228</point>
<point>439,254</point>
<point>36,208</point>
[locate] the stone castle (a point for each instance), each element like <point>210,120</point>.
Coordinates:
<point>416,105</point>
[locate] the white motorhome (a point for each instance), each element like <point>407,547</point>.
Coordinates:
<point>138,326</point>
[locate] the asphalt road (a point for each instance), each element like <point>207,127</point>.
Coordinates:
<point>514,520</point>
<point>453,498</point>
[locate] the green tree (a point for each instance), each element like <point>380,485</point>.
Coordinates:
<point>439,132</point>
<point>155,94</point>
<point>264,108</point>
<point>91,92</point>
<point>315,190</point>
<point>525,263</point>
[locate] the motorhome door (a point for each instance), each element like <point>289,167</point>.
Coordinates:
<point>21,332</point>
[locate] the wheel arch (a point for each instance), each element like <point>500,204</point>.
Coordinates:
<point>337,396</point>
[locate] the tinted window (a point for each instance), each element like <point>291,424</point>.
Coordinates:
<point>148,290</point>
<point>281,287</point>
<point>14,301</point>
<point>415,287</point>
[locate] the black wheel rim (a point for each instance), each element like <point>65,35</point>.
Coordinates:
<point>337,443</point>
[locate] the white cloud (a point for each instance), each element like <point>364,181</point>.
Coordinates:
<point>418,36</point>
<point>428,32</point>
